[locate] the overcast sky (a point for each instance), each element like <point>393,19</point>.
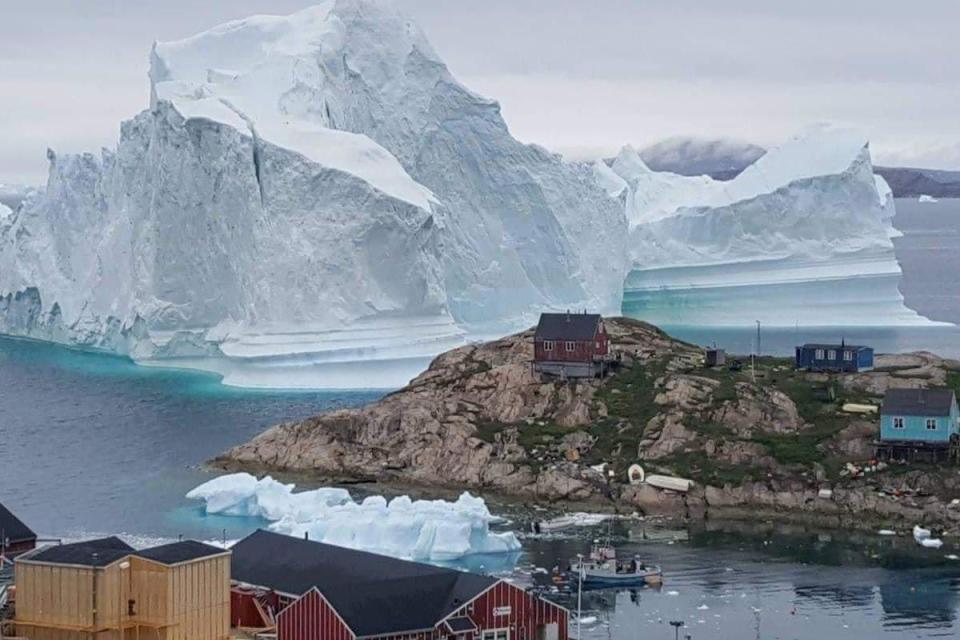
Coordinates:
<point>579,77</point>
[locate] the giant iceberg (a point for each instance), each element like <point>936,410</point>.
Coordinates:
<point>430,530</point>
<point>802,236</point>
<point>306,195</point>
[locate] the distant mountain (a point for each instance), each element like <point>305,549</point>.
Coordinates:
<point>911,183</point>
<point>720,158</point>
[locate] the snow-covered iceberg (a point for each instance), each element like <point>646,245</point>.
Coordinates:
<point>430,530</point>
<point>802,236</point>
<point>306,193</point>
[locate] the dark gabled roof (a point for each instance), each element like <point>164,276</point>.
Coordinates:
<point>568,326</point>
<point>12,528</point>
<point>837,347</point>
<point>373,594</point>
<point>89,553</point>
<point>917,402</point>
<point>461,624</point>
<point>182,551</point>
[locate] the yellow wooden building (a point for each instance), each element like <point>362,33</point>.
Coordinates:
<point>106,590</point>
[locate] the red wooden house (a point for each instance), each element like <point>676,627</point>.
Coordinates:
<point>15,537</point>
<point>571,345</point>
<point>333,593</point>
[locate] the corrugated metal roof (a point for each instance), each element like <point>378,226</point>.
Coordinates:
<point>373,594</point>
<point>568,326</point>
<point>917,402</point>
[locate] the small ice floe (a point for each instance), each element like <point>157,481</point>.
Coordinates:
<point>952,556</point>
<point>569,521</point>
<point>886,532</point>
<point>926,198</point>
<point>673,593</point>
<point>924,539</point>
<point>540,570</point>
<point>587,620</point>
<point>702,607</point>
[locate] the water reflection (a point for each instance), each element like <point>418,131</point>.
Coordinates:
<point>736,580</point>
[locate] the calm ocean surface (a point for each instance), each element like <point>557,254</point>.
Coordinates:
<point>91,444</point>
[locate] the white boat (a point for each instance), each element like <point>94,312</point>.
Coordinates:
<point>603,569</point>
<point>671,483</point>
<point>569,521</point>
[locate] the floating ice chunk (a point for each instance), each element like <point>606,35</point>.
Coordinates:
<point>241,494</point>
<point>926,198</point>
<point>886,532</point>
<point>703,607</point>
<point>434,530</point>
<point>931,543</point>
<point>587,620</point>
<point>919,533</point>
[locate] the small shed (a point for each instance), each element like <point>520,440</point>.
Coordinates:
<point>571,345</point>
<point>104,588</point>
<point>919,415</point>
<point>336,593</point>
<point>715,358</point>
<point>15,536</point>
<point>834,357</point>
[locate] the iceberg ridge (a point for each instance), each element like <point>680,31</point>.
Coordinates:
<point>430,530</point>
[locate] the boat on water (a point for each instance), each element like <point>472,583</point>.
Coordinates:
<point>602,568</point>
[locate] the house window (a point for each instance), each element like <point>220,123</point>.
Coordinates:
<point>898,423</point>
<point>832,354</point>
<point>599,347</point>
<point>931,424</point>
<point>818,354</point>
<point>848,355</point>
<point>548,345</point>
<point>571,346</point>
<point>496,634</point>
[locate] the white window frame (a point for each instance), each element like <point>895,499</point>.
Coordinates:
<point>848,355</point>
<point>548,345</point>
<point>818,354</point>
<point>571,346</point>
<point>898,422</point>
<point>491,634</point>
<point>832,354</point>
<point>931,424</point>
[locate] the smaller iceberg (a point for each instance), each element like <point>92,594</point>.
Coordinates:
<point>926,198</point>
<point>425,530</point>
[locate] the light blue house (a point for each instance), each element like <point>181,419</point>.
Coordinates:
<point>927,416</point>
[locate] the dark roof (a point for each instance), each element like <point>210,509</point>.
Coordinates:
<point>816,345</point>
<point>568,326</point>
<point>373,594</point>
<point>461,624</point>
<point>90,553</point>
<point>182,551</point>
<point>918,402</point>
<point>12,528</point>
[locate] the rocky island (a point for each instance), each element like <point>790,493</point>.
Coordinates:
<point>772,442</point>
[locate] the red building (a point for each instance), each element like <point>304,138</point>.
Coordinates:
<point>15,537</point>
<point>571,345</point>
<point>342,594</point>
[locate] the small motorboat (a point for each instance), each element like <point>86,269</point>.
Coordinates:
<point>603,569</point>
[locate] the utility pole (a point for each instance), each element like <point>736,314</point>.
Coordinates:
<point>676,624</point>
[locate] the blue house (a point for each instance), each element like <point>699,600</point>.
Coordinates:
<point>927,416</point>
<point>834,357</point>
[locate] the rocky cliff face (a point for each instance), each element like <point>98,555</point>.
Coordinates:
<point>479,417</point>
